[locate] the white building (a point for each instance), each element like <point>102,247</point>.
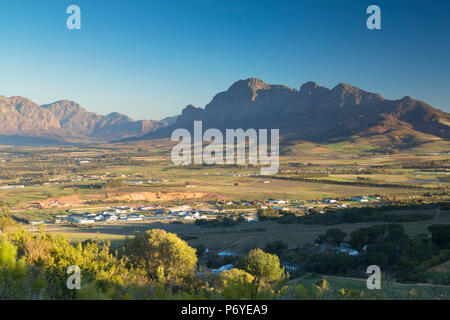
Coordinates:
<point>360,199</point>
<point>276,201</point>
<point>83,220</point>
<point>99,218</point>
<point>111,218</point>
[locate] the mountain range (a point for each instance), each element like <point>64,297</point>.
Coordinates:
<point>23,121</point>
<point>311,113</point>
<point>314,113</point>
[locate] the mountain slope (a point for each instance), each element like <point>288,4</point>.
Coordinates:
<point>66,121</point>
<point>313,112</point>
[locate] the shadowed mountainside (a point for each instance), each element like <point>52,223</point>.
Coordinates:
<point>314,113</point>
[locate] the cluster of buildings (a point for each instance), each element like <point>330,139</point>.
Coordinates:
<point>104,216</point>
<point>16,186</point>
<point>119,213</point>
<point>140,213</point>
<point>365,199</point>
<point>186,213</point>
<point>344,248</point>
<point>144,181</point>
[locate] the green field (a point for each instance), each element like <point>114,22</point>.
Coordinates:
<point>439,273</point>
<point>390,288</point>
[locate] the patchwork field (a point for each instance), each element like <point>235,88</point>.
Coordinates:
<point>41,185</point>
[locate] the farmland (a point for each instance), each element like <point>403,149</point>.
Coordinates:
<point>78,190</point>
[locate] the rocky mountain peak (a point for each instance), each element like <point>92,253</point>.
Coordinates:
<point>312,88</point>
<point>252,84</point>
<point>118,116</point>
<point>67,121</point>
<point>314,113</point>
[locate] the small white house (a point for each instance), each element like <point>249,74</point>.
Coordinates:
<point>99,218</point>
<point>83,220</point>
<point>289,266</point>
<point>360,199</point>
<point>89,214</point>
<point>111,218</point>
<point>195,214</point>
<point>271,201</point>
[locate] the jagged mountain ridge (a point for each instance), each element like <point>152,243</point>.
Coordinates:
<point>313,112</point>
<point>67,121</point>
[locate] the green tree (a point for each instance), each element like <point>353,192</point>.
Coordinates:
<point>440,235</point>
<point>276,247</point>
<point>332,237</point>
<point>162,253</point>
<point>8,253</point>
<point>358,239</point>
<point>113,184</point>
<point>237,284</point>
<point>264,266</point>
<point>267,214</point>
<point>7,222</point>
<point>12,272</point>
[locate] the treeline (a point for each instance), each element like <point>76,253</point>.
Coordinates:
<point>359,183</point>
<point>334,171</point>
<point>433,164</point>
<point>334,216</point>
<point>220,222</point>
<point>358,215</point>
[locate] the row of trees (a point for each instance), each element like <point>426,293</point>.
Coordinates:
<point>333,216</point>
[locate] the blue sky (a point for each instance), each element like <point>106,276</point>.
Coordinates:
<point>149,59</point>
